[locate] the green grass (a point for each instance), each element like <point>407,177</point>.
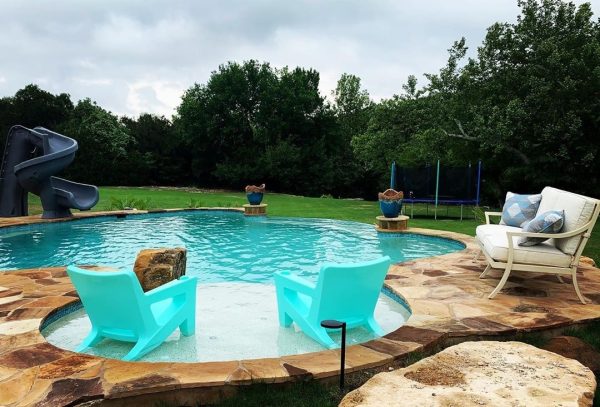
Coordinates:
<point>306,393</point>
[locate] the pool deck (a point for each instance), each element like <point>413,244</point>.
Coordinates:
<point>448,301</point>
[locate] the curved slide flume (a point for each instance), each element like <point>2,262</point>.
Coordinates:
<point>31,158</point>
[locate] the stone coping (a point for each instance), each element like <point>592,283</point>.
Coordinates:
<point>448,301</point>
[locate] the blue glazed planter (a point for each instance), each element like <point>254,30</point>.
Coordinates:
<point>390,209</point>
<point>254,198</point>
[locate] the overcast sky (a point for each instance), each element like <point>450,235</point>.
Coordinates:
<point>139,56</point>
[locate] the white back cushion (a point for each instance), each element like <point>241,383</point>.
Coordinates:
<point>578,211</point>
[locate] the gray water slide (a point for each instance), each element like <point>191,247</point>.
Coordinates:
<point>31,158</point>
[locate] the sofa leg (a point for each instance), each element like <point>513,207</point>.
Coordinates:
<point>574,277</point>
<point>485,272</point>
<point>501,283</point>
<point>478,255</point>
<point>560,280</point>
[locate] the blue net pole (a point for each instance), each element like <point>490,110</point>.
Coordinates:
<point>437,187</point>
<point>478,182</point>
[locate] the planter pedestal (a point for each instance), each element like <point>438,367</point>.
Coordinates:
<point>397,224</point>
<point>255,210</point>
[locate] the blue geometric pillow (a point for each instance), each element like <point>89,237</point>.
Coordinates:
<point>547,222</point>
<point>519,209</point>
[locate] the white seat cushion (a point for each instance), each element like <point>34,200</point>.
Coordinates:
<point>495,243</point>
<point>578,211</point>
<point>494,229</point>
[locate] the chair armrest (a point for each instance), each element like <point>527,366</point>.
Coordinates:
<point>488,214</point>
<point>583,230</point>
<point>184,285</point>
<point>579,231</point>
<point>287,280</point>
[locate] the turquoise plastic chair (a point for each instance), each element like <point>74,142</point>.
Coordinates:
<point>119,309</point>
<point>344,292</point>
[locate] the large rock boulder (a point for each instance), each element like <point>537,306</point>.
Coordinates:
<point>482,374</point>
<point>155,267</point>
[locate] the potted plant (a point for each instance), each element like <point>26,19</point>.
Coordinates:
<point>255,194</point>
<point>390,202</point>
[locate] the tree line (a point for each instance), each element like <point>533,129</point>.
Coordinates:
<point>527,104</point>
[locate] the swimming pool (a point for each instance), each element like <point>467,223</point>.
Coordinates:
<point>234,257</point>
<point>222,246</point>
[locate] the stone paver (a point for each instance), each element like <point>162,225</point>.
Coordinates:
<point>449,305</point>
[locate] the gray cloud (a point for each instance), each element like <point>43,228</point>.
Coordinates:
<point>139,56</point>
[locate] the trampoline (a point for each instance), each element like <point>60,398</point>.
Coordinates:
<point>440,185</point>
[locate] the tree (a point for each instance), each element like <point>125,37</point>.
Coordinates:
<point>527,105</point>
<point>31,107</point>
<point>102,143</point>
<point>252,123</point>
<point>529,102</point>
<point>154,153</point>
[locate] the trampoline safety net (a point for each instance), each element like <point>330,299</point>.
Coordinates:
<point>455,185</point>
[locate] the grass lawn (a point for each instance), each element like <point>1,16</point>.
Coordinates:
<point>303,393</point>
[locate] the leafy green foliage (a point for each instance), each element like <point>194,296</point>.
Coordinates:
<point>527,105</point>
<point>253,123</point>
<point>102,140</point>
<point>127,203</point>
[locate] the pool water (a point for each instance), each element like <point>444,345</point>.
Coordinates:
<point>222,246</point>
<point>233,321</point>
<point>234,258</point>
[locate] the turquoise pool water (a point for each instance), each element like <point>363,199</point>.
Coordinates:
<point>222,246</point>
<point>234,258</point>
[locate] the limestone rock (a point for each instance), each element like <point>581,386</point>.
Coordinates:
<point>155,267</point>
<point>482,374</point>
<point>574,348</point>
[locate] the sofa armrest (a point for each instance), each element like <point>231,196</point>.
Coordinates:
<point>488,214</point>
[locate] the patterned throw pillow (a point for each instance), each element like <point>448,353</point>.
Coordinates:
<point>547,222</point>
<point>519,209</point>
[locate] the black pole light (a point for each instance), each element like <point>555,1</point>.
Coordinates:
<point>333,324</point>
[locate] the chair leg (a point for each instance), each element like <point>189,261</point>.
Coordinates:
<point>501,283</point>
<point>485,272</point>
<point>374,326</point>
<point>139,350</point>
<point>320,335</point>
<point>92,339</point>
<point>559,278</point>
<point>574,277</point>
<point>284,319</point>
<point>478,255</point>
<point>188,327</point>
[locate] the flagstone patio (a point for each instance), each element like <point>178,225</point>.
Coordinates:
<point>448,301</point>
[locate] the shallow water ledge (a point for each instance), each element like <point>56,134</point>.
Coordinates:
<point>448,301</point>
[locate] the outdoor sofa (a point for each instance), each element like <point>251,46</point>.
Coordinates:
<point>559,254</point>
